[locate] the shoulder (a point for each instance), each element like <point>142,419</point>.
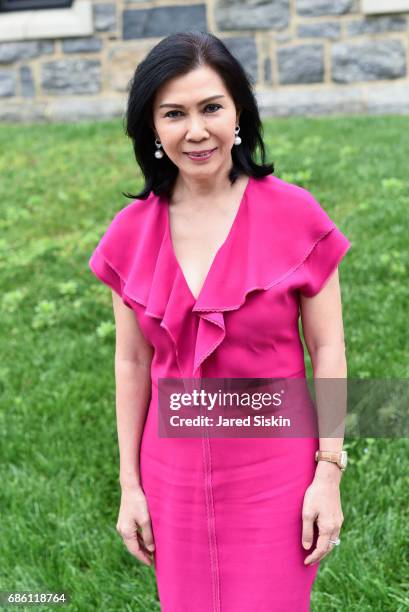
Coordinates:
<point>289,205</point>
<point>134,211</point>
<point>130,221</point>
<point>292,232</point>
<point>284,192</point>
<point>129,230</point>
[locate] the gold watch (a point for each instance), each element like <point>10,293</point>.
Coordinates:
<point>340,458</point>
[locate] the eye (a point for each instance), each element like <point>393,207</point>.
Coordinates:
<point>218,106</point>
<point>168,114</point>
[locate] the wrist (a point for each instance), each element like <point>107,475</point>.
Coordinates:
<point>127,482</point>
<point>327,470</point>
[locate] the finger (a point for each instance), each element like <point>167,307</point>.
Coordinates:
<point>137,551</point>
<point>147,535</point>
<point>325,533</point>
<point>131,541</point>
<point>307,530</point>
<point>334,536</point>
<point>142,546</point>
<point>320,549</point>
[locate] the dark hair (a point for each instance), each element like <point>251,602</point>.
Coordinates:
<point>173,56</point>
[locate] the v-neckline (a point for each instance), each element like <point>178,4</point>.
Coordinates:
<point>221,247</point>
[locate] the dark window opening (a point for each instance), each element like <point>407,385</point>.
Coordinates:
<point>29,5</point>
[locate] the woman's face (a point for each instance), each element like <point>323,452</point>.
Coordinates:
<point>184,122</point>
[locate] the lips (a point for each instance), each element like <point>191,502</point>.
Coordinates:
<point>199,152</point>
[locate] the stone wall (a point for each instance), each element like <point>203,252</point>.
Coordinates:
<point>305,56</point>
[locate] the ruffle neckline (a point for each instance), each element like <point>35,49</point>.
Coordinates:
<point>271,236</point>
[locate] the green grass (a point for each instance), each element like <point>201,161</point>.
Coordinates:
<point>61,184</point>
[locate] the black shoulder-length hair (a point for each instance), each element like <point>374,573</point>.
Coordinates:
<point>173,56</point>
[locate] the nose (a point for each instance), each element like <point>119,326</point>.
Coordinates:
<point>196,129</point>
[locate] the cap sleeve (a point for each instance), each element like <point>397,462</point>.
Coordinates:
<point>322,260</point>
<point>104,271</point>
<point>110,253</point>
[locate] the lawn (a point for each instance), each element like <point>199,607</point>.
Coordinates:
<point>61,185</point>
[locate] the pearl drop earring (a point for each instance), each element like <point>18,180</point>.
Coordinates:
<point>237,140</point>
<point>158,152</point>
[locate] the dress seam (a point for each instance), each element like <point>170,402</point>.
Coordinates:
<point>215,575</point>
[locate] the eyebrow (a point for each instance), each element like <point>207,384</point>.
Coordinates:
<point>201,102</point>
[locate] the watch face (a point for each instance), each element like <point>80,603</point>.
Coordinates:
<point>344,459</point>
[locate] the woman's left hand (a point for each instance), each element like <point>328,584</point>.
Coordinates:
<point>322,502</point>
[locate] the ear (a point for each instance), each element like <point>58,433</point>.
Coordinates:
<point>238,115</point>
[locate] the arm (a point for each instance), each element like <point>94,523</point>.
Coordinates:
<point>323,331</point>
<point>324,336</point>
<point>133,356</point>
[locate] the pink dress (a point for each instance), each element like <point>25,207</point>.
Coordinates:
<point>226,512</point>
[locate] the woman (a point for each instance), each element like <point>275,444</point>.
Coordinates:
<point>210,267</point>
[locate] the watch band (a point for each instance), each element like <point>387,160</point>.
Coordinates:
<point>340,458</point>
